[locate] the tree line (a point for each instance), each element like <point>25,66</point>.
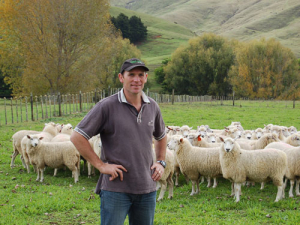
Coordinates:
<point>131,28</point>
<point>214,65</point>
<point>53,46</point>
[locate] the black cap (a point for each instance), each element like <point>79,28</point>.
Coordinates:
<point>129,64</point>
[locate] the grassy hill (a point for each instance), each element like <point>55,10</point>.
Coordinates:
<point>243,20</point>
<point>164,37</point>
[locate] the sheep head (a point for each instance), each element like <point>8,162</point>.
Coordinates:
<point>229,144</point>
<point>34,140</point>
<point>175,143</point>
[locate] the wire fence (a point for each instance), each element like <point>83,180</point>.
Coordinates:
<point>32,108</point>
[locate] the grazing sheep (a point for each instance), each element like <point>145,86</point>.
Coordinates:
<point>96,145</point>
<point>194,161</point>
<point>240,166</point>
<point>258,144</point>
<point>293,140</point>
<point>211,138</point>
<point>53,155</point>
<point>166,178</point>
<point>292,130</point>
<point>185,130</point>
<point>49,131</point>
<point>257,134</point>
<point>17,138</point>
<point>293,164</point>
<point>247,134</point>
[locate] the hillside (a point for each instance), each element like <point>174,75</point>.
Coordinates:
<point>243,20</point>
<point>164,37</point>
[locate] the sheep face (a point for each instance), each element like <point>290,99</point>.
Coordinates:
<point>236,133</point>
<point>34,140</point>
<point>228,144</point>
<point>175,143</point>
<point>211,139</point>
<point>248,134</point>
<point>285,131</point>
<point>296,138</point>
<point>268,128</point>
<point>202,132</point>
<point>292,129</point>
<point>258,134</point>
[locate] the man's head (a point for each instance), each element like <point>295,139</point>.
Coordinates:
<point>130,64</point>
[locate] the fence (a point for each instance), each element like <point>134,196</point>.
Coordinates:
<point>21,109</point>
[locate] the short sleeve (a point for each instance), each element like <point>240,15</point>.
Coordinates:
<point>93,123</point>
<point>159,126</point>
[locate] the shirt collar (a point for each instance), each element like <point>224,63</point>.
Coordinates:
<point>122,98</point>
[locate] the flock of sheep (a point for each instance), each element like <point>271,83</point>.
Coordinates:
<point>50,147</point>
<point>241,156</point>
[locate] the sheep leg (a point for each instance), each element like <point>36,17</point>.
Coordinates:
<point>13,157</point>
<point>42,175</point>
<point>89,169</point>
<point>171,186</point>
<point>187,179</point>
<point>237,190</point>
<point>193,187</point>
<point>208,182</point>
<point>291,188</point>
<point>23,161</point>
<point>297,188</point>
<point>262,186</point>
<point>38,175</point>
<point>232,189</point>
<point>177,172</point>
<point>163,190</point>
<point>279,193</point>
<point>76,174</point>
<point>283,187</point>
<point>55,172</point>
<point>215,182</point>
<point>158,185</point>
<point>202,179</point>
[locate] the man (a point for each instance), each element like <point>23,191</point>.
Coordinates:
<point>126,121</point>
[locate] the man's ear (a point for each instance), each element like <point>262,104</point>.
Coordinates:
<point>121,77</point>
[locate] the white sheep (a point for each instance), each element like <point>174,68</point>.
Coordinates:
<point>49,131</point>
<point>279,131</point>
<point>52,154</point>
<point>166,178</point>
<point>292,129</point>
<point>258,144</point>
<point>257,134</point>
<point>194,161</point>
<point>211,138</point>
<point>293,166</point>
<point>240,166</point>
<point>293,140</point>
<point>247,134</point>
<point>202,131</point>
<point>96,145</point>
<point>17,138</point>
<point>185,130</point>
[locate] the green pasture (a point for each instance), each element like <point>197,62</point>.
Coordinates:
<point>59,201</point>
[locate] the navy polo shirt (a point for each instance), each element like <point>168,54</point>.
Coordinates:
<point>126,136</point>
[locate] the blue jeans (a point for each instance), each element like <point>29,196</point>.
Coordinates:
<point>115,206</point>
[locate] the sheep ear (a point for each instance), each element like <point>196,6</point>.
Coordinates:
<point>191,128</point>
<point>221,139</point>
<point>28,137</point>
<point>199,138</point>
<point>41,138</point>
<point>169,128</point>
<point>181,140</point>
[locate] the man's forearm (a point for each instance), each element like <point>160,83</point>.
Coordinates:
<point>160,148</point>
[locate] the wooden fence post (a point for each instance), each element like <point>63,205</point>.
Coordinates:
<point>12,111</point>
<point>17,114</point>
<point>46,106</point>
<point>26,103</point>
<point>37,111</point>
<point>5,111</point>
<point>42,106</point>
<point>50,111</point>
<point>173,97</point>
<point>21,109</point>
<point>31,107</point>
<point>59,104</point>
<point>80,101</point>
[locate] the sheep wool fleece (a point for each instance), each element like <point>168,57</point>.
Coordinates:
<point>126,136</point>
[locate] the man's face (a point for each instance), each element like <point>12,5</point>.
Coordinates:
<point>134,80</point>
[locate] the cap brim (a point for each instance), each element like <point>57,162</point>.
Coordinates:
<point>134,66</point>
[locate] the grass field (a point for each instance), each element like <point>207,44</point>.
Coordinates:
<point>59,201</point>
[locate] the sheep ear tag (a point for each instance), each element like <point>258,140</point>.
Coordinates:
<point>199,138</point>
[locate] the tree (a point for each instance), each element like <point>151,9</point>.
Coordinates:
<point>62,43</point>
<point>201,67</point>
<point>264,69</point>
<point>132,28</point>
<point>4,88</point>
